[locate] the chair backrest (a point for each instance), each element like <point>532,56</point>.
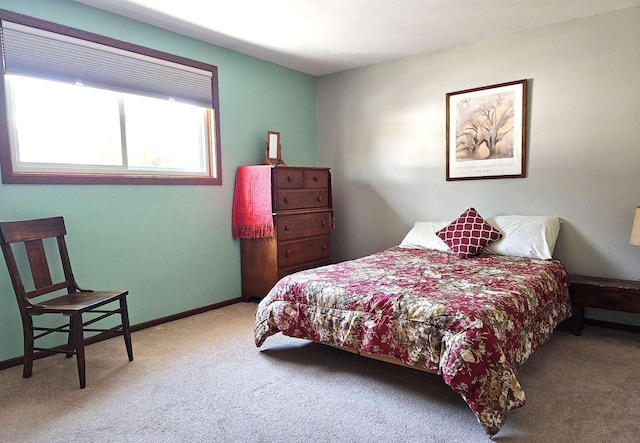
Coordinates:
<point>31,233</point>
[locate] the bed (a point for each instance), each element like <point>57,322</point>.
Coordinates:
<point>472,318</point>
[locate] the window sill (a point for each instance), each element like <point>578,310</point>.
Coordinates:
<point>102,179</point>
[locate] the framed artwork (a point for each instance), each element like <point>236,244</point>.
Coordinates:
<point>486,132</point>
<point>273,155</point>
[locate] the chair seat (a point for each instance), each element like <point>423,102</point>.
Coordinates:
<point>78,301</point>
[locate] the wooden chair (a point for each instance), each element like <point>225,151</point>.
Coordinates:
<point>74,304</point>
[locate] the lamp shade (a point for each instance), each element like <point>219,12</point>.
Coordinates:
<point>635,230</point>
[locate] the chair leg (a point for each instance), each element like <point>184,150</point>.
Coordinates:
<point>126,329</point>
<point>70,341</point>
<point>78,335</point>
<point>27,333</point>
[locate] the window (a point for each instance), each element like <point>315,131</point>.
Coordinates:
<point>82,108</point>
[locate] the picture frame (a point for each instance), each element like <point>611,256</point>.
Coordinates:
<point>273,154</point>
<point>486,132</point>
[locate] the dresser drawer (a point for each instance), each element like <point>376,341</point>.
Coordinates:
<point>310,224</point>
<point>300,199</point>
<point>295,252</point>
<point>287,178</point>
<point>303,266</point>
<point>316,178</point>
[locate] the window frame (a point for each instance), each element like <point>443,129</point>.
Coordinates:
<point>10,175</point>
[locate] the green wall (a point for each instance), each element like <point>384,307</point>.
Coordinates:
<point>171,246</point>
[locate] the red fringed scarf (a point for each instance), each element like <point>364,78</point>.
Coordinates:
<point>251,214</point>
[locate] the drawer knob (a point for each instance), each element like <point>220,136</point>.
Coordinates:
<point>288,253</point>
<point>320,198</point>
<point>323,223</point>
<point>289,177</point>
<point>316,178</point>
<point>286,199</point>
<point>324,246</point>
<point>287,228</point>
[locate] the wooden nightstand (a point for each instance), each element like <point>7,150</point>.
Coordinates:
<point>602,293</point>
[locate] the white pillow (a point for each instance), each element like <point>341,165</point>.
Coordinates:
<point>423,236</point>
<point>525,236</point>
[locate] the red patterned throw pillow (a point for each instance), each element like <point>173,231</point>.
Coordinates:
<point>468,234</point>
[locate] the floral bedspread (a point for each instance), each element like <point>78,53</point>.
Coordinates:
<point>473,321</point>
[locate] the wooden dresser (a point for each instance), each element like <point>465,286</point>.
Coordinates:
<point>302,216</point>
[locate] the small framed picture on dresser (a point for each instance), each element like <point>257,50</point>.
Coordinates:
<point>273,155</point>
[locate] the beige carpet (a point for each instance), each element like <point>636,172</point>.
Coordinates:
<point>202,379</point>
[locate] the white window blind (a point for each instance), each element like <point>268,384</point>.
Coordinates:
<point>39,53</point>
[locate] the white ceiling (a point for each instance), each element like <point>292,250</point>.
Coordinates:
<point>326,36</point>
